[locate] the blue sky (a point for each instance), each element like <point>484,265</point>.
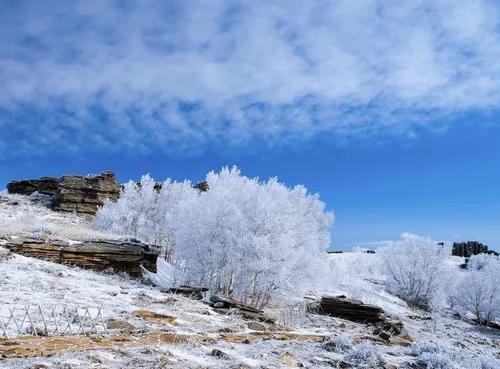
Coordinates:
<point>390,110</point>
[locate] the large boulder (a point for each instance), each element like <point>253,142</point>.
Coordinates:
<point>80,194</point>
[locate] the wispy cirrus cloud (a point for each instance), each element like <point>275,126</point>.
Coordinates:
<point>181,75</point>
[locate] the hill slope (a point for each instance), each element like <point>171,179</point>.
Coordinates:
<point>147,328</point>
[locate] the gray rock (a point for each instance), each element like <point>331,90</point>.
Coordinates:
<point>469,248</point>
<point>350,309</point>
<point>120,255</point>
<point>219,353</point>
<point>80,194</point>
<point>385,336</point>
<point>45,185</point>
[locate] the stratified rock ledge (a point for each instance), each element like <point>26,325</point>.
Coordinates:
<point>80,194</point>
<point>350,309</point>
<point>120,255</point>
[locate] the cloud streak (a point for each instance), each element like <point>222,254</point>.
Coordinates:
<point>181,75</point>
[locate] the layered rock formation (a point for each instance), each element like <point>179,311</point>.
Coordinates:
<point>119,255</point>
<point>349,309</point>
<point>80,194</point>
<point>45,185</point>
<point>469,248</point>
<point>386,329</point>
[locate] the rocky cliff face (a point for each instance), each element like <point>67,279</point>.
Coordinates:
<point>80,194</point>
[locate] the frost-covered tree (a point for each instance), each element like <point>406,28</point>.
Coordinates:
<point>250,239</point>
<point>478,291</point>
<point>147,211</point>
<point>415,269</point>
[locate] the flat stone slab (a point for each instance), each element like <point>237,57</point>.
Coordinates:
<point>350,309</point>
<point>120,255</point>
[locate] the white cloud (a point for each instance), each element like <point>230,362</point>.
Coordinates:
<point>180,75</point>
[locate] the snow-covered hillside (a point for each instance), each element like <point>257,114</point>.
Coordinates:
<point>148,328</point>
<point>27,216</point>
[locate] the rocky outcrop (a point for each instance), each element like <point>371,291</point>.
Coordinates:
<point>469,248</point>
<point>349,309</point>
<point>120,255</point>
<point>385,329</point>
<point>80,194</point>
<point>45,185</point>
<point>86,194</point>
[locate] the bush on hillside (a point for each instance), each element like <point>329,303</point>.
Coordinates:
<point>365,356</point>
<point>415,269</point>
<point>478,291</point>
<point>430,355</point>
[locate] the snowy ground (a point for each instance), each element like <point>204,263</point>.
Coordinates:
<point>27,281</point>
<point>23,216</point>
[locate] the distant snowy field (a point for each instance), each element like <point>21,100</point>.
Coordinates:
<point>447,343</point>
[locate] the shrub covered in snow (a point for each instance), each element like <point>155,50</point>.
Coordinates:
<point>146,211</point>
<point>478,291</point>
<point>415,268</point>
<point>365,355</point>
<point>341,343</point>
<point>243,237</point>
<point>433,356</point>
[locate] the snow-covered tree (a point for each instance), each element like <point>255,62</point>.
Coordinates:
<point>146,210</point>
<point>478,291</point>
<point>415,269</point>
<point>250,239</point>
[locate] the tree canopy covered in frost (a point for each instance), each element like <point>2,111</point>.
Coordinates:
<point>478,291</point>
<point>147,212</point>
<point>251,239</point>
<point>415,269</point>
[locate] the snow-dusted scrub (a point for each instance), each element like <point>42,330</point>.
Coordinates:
<point>365,355</point>
<point>416,269</point>
<point>247,238</point>
<point>339,344</point>
<point>478,291</point>
<point>433,356</point>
